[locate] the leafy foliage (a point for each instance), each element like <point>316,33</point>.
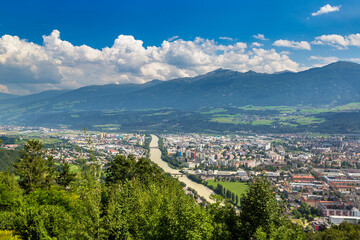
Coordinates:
<point>65,177</point>
<point>345,231</point>
<point>124,168</point>
<point>34,168</point>
<point>7,158</point>
<point>261,216</point>
<point>10,192</point>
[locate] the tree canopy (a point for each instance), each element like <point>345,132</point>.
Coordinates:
<point>261,216</point>
<point>34,168</point>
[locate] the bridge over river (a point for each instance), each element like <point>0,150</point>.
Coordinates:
<point>155,156</point>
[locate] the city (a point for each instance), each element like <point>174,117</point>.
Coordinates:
<point>184,120</point>
<point>320,171</point>
<point>317,172</point>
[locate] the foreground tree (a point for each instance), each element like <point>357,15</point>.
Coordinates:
<point>65,177</point>
<point>345,231</point>
<point>225,218</point>
<point>124,168</point>
<point>261,217</point>
<point>10,192</point>
<point>11,199</point>
<point>34,168</point>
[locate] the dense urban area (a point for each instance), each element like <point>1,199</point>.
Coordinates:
<point>316,177</point>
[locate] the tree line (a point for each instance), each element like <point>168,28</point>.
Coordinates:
<point>226,193</point>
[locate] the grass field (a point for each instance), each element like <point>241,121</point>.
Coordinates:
<point>215,110</point>
<point>262,122</point>
<point>41,140</point>
<point>309,120</point>
<point>74,168</point>
<point>282,109</point>
<point>237,188</point>
<point>108,127</point>
<point>227,120</point>
<point>160,113</point>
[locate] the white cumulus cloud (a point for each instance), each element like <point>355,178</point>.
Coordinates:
<point>27,67</point>
<point>338,41</point>
<point>256,44</point>
<point>4,89</point>
<point>323,60</point>
<point>226,38</point>
<point>173,38</point>
<point>260,37</point>
<point>327,60</point>
<point>292,44</point>
<point>326,9</point>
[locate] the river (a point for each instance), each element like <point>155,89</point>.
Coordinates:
<point>155,156</point>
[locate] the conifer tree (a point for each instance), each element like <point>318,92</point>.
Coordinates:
<point>34,168</point>
<point>65,176</point>
<point>260,213</point>
<point>228,194</point>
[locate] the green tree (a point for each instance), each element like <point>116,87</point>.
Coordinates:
<point>219,189</point>
<point>228,194</point>
<point>10,192</point>
<point>146,171</point>
<point>124,168</point>
<point>34,168</point>
<point>314,211</point>
<point>345,231</point>
<point>260,213</point>
<point>304,209</point>
<point>283,232</point>
<point>89,188</point>
<point>153,210</point>
<point>120,169</point>
<point>65,177</point>
<point>51,173</point>
<point>296,214</point>
<point>11,200</point>
<point>49,214</point>
<point>225,218</point>
<point>7,158</point>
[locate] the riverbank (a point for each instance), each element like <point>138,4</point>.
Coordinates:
<point>155,156</point>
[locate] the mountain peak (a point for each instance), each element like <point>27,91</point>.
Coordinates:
<point>153,82</point>
<point>250,72</point>
<point>217,72</point>
<point>284,71</point>
<point>342,64</point>
<point>220,70</point>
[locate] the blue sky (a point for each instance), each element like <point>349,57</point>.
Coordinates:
<point>68,44</point>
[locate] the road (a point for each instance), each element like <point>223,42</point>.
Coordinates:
<point>155,156</point>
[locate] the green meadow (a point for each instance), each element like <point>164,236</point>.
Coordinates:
<point>238,188</point>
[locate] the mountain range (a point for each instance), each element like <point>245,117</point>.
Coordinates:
<point>332,85</point>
